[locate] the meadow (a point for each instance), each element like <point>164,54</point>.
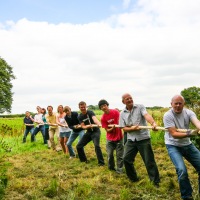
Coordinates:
<point>32,171</point>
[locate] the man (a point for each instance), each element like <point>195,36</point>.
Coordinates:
<point>28,121</point>
<point>114,138</point>
<point>71,118</point>
<point>131,117</point>
<point>178,143</point>
<point>53,128</point>
<point>86,119</point>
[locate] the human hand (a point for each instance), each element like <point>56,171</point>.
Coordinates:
<point>135,127</point>
<point>154,125</point>
<point>191,133</point>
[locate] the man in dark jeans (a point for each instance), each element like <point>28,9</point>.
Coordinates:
<point>138,140</point>
<point>87,119</point>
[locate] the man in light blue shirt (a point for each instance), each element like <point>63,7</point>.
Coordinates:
<point>138,140</point>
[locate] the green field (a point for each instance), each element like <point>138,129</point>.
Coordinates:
<point>31,171</point>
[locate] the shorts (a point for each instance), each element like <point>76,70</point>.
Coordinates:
<point>65,134</point>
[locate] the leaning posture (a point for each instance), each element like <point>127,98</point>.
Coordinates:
<point>131,117</point>
<point>114,138</point>
<point>71,118</point>
<point>28,121</point>
<point>87,118</point>
<point>178,144</point>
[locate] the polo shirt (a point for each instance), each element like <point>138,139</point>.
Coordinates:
<point>135,117</point>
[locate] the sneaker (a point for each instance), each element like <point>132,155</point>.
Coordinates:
<point>71,157</point>
<point>101,164</point>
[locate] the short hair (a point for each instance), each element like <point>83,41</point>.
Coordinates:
<point>81,103</point>
<point>102,102</point>
<point>49,107</point>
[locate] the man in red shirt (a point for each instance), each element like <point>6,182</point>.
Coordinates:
<point>114,138</point>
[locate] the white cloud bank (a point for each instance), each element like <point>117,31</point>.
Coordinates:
<point>151,52</point>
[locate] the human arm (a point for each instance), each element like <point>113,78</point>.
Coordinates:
<point>32,119</point>
<point>150,120</point>
<point>131,128</point>
<point>96,121</point>
<point>196,122</point>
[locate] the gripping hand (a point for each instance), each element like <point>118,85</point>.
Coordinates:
<point>191,133</point>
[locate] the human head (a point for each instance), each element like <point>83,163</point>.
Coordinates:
<point>60,109</point>
<point>127,100</point>
<point>82,107</point>
<point>50,110</point>
<point>103,105</point>
<point>38,108</point>
<point>27,113</point>
<point>67,110</point>
<point>43,111</point>
<point>177,103</point>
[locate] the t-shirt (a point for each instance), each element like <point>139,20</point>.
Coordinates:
<point>38,118</point>
<point>112,118</point>
<point>28,121</point>
<point>180,121</point>
<point>87,119</point>
<point>135,117</point>
<point>73,121</point>
<point>52,120</point>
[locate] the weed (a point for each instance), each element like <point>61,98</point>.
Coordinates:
<point>52,190</point>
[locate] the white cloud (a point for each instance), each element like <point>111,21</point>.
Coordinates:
<point>151,52</point>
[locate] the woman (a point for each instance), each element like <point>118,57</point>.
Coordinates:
<point>46,128</point>
<point>64,130</point>
<point>40,125</point>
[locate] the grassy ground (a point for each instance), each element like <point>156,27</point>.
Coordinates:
<point>33,172</point>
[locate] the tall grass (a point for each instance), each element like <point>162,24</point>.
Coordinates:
<point>31,171</point>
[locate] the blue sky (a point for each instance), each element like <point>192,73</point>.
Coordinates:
<point>59,11</point>
<point>63,52</point>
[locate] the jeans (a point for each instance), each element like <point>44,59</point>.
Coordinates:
<point>110,147</point>
<point>192,155</point>
<point>26,133</point>
<point>72,138</point>
<point>146,152</point>
<point>35,132</point>
<point>87,137</point>
<point>46,133</point>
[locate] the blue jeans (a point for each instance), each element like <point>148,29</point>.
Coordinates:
<point>71,139</point>
<point>35,132</point>
<point>26,133</point>
<point>192,155</point>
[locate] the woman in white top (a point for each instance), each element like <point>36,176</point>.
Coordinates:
<point>64,130</point>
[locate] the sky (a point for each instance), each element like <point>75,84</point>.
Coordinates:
<point>63,52</point>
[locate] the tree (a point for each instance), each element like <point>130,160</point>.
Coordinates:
<point>6,76</point>
<point>191,96</point>
<point>192,101</point>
